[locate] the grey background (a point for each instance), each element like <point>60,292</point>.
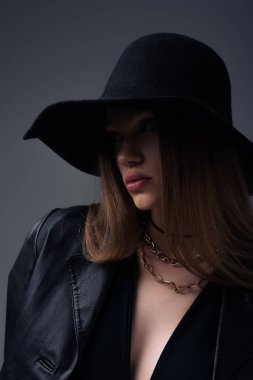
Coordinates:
<point>55,50</point>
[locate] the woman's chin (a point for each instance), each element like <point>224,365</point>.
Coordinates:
<point>145,202</point>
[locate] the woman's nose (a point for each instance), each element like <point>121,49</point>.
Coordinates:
<point>129,153</point>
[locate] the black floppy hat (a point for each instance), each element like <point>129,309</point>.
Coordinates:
<point>165,69</point>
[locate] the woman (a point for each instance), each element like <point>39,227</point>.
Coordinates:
<point>155,280</point>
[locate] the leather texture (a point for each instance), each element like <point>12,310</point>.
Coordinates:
<point>54,296</point>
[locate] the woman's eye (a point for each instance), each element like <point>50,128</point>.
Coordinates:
<point>114,136</point>
<point>148,125</point>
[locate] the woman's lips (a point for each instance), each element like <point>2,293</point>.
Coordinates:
<point>137,185</point>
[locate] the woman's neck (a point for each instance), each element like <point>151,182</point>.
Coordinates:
<point>155,229</point>
<point>177,274</point>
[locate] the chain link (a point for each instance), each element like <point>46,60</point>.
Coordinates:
<point>171,284</point>
<point>162,257</point>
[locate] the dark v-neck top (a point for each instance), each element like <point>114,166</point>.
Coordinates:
<point>188,354</point>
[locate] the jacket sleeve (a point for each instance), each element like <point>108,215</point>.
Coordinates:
<point>19,277</point>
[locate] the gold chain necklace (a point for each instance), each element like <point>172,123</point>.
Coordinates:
<point>170,284</point>
<point>162,257</point>
<point>159,254</point>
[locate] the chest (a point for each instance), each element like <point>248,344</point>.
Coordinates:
<point>157,312</point>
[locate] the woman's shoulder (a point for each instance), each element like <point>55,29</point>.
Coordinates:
<point>63,214</point>
<point>56,235</point>
<point>60,226</point>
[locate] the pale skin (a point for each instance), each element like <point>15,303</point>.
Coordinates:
<point>157,310</point>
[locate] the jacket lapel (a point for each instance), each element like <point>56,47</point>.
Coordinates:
<point>234,345</point>
<point>89,283</point>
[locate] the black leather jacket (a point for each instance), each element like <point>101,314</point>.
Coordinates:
<point>54,296</point>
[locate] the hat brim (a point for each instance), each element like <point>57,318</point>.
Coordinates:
<point>70,129</point>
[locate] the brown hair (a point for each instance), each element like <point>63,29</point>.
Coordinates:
<point>204,198</point>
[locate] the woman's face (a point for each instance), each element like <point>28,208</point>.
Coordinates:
<point>136,147</point>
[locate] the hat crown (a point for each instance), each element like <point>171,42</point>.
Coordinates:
<point>165,65</point>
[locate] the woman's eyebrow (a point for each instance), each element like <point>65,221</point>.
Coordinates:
<point>109,128</point>
<point>145,115</point>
